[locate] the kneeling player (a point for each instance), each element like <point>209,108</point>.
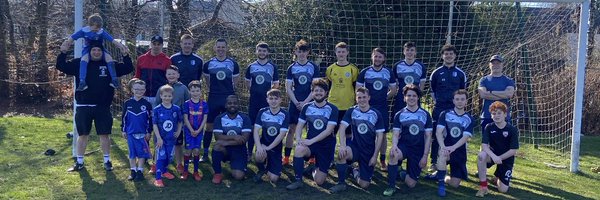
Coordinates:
<point>454,128</point>
<point>320,117</point>
<point>274,123</point>
<point>232,130</point>
<point>499,144</point>
<point>411,140</point>
<point>367,135</point>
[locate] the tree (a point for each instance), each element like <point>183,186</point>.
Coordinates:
<point>4,13</point>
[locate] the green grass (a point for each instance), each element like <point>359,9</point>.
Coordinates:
<point>28,174</point>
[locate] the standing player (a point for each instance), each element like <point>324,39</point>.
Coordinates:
<point>411,140</point>
<point>151,68</point>
<point>93,105</point>
<point>222,73</point>
<point>188,62</point>
<point>136,126</point>
<point>445,80</point>
<point>454,128</point>
<point>273,121</point>
<point>232,131</point>
<point>367,135</point>
<point>381,83</point>
<point>499,144</point>
<point>298,81</point>
<point>495,87</point>
<point>342,75</point>
<point>408,71</point>
<point>167,124</point>
<point>320,117</point>
<point>261,76</point>
<point>195,112</point>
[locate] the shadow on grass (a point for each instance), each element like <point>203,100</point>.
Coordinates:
<point>543,188</point>
<point>96,190</point>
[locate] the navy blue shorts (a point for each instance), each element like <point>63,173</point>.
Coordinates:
<point>164,153</point>
<point>458,164</point>
<point>323,152</point>
<point>274,164</point>
<point>138,147</point>
<point>503,171</point>
<point>365,172</point>
<point>179,140</point>
<point>294,113</point>
<point>237,157</point>
<point>193,142</point>
<point>412,160</point>
<point>216,106</point>
<point>253,108</point>
<point>385,114</point>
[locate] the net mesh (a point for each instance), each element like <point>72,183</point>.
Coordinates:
<point>537,40</point>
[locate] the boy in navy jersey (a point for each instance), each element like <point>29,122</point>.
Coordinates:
<point>136,126</point>
<point>299,76</point>
<point>499,144</point>
<point>367,135</point>
<point>454,128</point>
<point>320,117</point>
<point>273,121</point>
<point>195,112</point>
<point>261,76</point>
<point>411,140</point>
<point>167,124</point>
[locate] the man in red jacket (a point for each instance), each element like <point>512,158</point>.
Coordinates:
<point>151,68</point>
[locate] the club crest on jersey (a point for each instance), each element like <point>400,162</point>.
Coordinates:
<point>455,132</point>
<point>221,75</point>
<point>362,128</point>
<point>347,74</point>
<point>174,115</point>
<point>271,131</point>
<point>231,132</point>
<point>143,107</point>
<point>192,62</point>
<point>413,129</point>
<point>318,124</point>
<point>505,133</point>
<point>302,79</point>
<point>103,71</point>
<point>377,85</point>
<point>167,125</point>
<point>454,74</point>
<point>409,80</point>
<point>260,79</point>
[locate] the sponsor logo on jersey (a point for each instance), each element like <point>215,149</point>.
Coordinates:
<point>318,124</point>
<point>413,129</point>
<point>271,131</point>
<point>260,79</point>
<point>455,132</point>
<point>377,85</point>
<point>362,128</point>
<point>409,80</point>
<point>167,125</point>
<point>303,79</point>
<point>221,75</point>
<point>231,132</point>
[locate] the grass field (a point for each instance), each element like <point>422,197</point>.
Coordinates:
<point>28,174</point>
